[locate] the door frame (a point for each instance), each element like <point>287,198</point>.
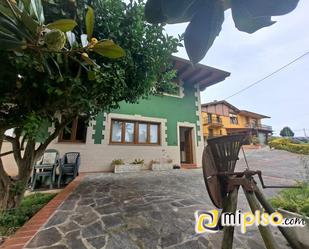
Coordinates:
<point>193,139</point>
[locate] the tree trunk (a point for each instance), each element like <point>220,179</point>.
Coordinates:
<point>11,194</point>
<point>12,189</point>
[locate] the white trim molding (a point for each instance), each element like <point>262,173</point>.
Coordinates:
<point>194,137</point>
<point>199,113</point>
<point>181,91</point>
<point>110,116</point>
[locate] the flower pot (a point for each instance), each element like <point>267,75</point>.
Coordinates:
<point>127,168</point>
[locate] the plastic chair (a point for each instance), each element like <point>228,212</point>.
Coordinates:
<point>69,166</point>
<point>46,168</point>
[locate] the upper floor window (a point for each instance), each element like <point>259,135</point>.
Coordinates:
<point>209,118</point>
<point>172,89</point>
<point>134,132</point>
<point>218,119</point>
<point>75,131</point>
<point>233,119</point>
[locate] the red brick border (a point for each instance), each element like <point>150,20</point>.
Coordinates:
<point>189,166</point>
<point>32,226</point>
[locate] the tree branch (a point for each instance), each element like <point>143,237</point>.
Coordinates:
<point>16,147</point>
<point>39,151</point>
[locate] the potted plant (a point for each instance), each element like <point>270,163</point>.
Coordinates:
<point>117,164</point>
<point>163,164</point>
<point>121,167</point>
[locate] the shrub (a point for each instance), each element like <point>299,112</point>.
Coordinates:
<point>117,162</point>
<point>255,140</point>
<point>288,145</point>
<point>138,161</point>
<point>293,200</point>
<point>11,220</point>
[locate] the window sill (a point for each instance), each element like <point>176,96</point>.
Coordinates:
<point>173,95</point>
<point>128,144</point>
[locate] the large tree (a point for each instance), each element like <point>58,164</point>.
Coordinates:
<point>206,17</point>
<point>286,132</point>
<point>60,60</point>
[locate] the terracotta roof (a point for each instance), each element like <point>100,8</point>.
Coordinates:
<point>199,73</point>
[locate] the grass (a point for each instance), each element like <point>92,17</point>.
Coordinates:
<point>293,200</point>
<point>11,220</point>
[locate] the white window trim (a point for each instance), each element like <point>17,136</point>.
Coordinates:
<point>181,92</point>
<point>111,116</point>
<point>194,137</point>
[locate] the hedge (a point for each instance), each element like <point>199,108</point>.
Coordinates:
<point>288,145</point>
<point>294,200</point>
<point>11,220</point>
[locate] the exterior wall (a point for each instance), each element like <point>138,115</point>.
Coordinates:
<point>219,109</point>
<point>171,112</point>
<point>217,131</point>
<point>223,111</point>
<point>174,109</point>
<point>242,123</point>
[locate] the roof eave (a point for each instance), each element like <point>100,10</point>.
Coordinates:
<point>200,74</point>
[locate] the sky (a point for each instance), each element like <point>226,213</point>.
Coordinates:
<point>249,57</point>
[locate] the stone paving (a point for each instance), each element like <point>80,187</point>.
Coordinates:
<point>151,210</point>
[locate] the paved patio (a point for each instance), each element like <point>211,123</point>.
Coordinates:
<point>152,209</point>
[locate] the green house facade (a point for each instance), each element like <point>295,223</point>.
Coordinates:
<point>159,129</point>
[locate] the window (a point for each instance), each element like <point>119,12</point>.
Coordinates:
<point>153,136</point>
<point>142,133</point>
<point>209,118</point>
<point>233,119</point>
<point>171,89</point>
<point>218,119</point>
<point>134,132</point>
<point>74,132</point>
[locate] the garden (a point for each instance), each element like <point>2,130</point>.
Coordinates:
<point>12,219</point>
<point>289,144</point>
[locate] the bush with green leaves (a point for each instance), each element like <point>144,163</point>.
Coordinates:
<point>294,200</point>
<point>138,161</point>
<point>288,145</point>
<point>12,219</point>
<point>117,162</point>
<point>110,54</point>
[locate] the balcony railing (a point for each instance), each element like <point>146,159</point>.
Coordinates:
<point>207,135</point>
<point>213,121</point>
<point>260,126</point>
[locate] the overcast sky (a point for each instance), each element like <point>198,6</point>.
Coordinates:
<point>284,96</point>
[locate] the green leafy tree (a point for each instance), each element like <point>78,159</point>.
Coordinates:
<point>286,132</point>
<point>60,60</point>
<point>205,18</point>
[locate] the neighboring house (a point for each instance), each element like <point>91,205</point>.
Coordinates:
<point>165,126</point>
<point>222,118</point>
